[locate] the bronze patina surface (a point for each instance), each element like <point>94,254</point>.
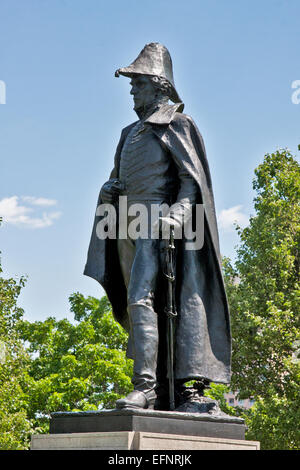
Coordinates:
<point>160,159</point>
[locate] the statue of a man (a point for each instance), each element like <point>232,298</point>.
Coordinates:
<point>161,159</point>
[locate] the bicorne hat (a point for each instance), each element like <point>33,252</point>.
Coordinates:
<point>153,60</point>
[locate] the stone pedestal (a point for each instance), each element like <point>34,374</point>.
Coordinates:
<point>135,440</point>
<point>143,430</point>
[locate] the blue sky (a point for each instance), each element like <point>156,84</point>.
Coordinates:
<point>234,65</point>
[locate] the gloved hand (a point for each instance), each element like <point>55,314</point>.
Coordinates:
<point>163,225</point>
<point>111,190</point>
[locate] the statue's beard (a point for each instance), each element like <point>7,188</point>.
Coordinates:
<point>148,109</point>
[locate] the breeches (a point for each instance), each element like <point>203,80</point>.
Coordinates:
<point>141,267</point>
<point>140,262</point>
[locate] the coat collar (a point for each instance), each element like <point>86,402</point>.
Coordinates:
<point>165,114</point>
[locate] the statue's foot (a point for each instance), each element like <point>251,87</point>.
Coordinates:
<point>200,405</point>
<point>192,400</point>
<point>137,399</point>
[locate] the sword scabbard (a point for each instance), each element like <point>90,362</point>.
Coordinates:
<point>170,311</point>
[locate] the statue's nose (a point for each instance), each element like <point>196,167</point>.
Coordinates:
<point>133,90</point>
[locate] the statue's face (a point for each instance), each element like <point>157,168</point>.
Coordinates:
<point>144,93</point>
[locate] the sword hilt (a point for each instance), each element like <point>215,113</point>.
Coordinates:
<point>170,313</point>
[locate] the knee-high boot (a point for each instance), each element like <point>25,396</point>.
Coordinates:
<point>144,336</point>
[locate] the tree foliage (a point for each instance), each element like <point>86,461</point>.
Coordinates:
<point>15,427</point>
<point>80,366</point>
<point>263,291</point>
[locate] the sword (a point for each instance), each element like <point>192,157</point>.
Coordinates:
<point>171,313</point>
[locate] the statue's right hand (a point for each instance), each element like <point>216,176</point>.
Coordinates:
<point>110,190</point>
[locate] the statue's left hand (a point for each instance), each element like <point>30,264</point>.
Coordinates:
<point>164,224</point>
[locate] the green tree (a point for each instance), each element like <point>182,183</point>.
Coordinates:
<point>263,292</point>
<point>15,427</point>
<point>80,366</point>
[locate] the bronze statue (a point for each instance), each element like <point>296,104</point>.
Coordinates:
<point>161,159</point>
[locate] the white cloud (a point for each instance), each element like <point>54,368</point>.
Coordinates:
<point>39,201</point>
<point>12,212</point>
<point>228,217</point>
